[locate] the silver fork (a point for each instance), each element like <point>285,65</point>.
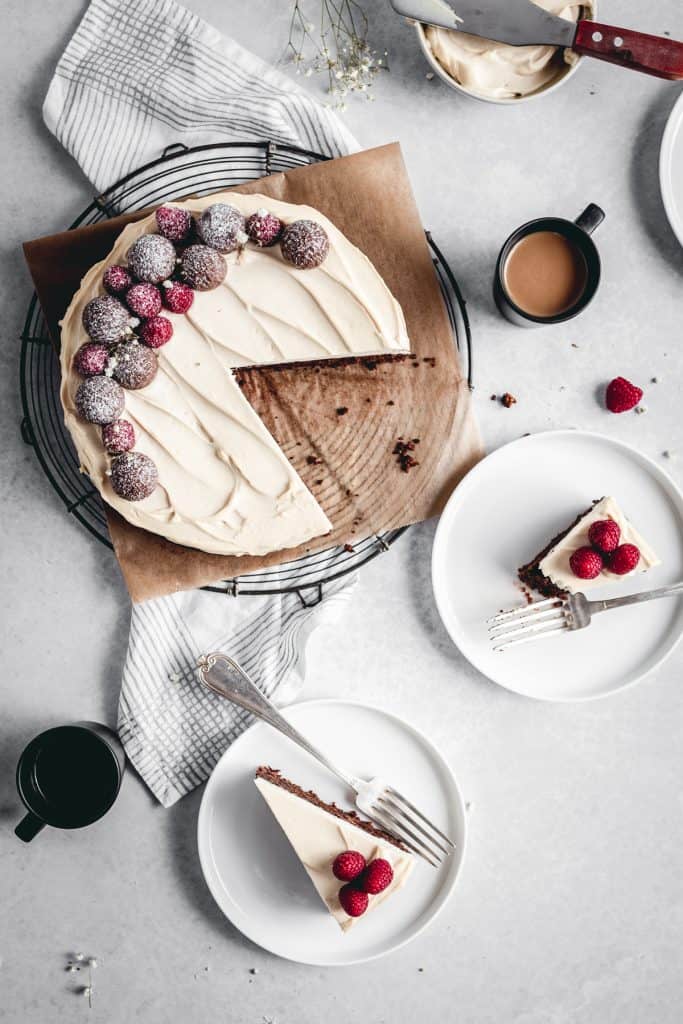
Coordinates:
<point>378,801</point>
<point>559,615</point>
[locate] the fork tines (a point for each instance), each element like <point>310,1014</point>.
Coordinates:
<point>519,626</point>
<point>400,816</point>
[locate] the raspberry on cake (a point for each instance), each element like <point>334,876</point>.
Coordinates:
<point>579,558</point>
<point>317,830</point>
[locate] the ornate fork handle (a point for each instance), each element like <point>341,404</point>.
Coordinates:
<point>224,676</point>
<point>646,595</point>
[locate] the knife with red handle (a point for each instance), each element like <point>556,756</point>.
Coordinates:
<point>523,23</point>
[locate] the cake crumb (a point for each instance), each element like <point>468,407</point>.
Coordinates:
<point>312,460</point>
<point>493,397</point>
<point>391,402</point>
<point>429,76</point>
<point>349,547</point>
<point>507,399</point>
<point>342,410</point>
<point>402,450</point>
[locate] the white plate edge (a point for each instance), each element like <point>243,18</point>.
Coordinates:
<point>674,123</point>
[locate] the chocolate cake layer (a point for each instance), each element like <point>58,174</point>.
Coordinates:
<point>531,575</point>
<point>273,776</point>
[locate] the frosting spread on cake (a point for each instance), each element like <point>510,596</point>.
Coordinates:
<point>318,837</point>
<point>500,71</point>
<point>556,566</point>
<point>225,486</point>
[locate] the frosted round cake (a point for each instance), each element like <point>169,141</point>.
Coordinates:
<point>149,346</point>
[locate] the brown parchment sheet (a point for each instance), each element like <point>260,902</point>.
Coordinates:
<point>337,423</point>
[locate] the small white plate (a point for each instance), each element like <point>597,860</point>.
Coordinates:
<point>671,169</point>
<point>253,873</point>
<point>505,510</point>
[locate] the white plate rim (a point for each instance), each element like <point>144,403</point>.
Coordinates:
<point>438,904</point>
<point>674,124</point>
<point>457,497</point>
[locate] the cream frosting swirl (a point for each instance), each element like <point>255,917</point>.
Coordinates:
<point>225,485</point>
<point>499,71</point>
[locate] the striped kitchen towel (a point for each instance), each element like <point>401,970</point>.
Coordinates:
<point>137,76</point>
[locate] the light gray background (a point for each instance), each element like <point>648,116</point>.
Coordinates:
<point>571,902</point>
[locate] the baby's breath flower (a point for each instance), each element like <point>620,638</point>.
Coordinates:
<point>341,51</point>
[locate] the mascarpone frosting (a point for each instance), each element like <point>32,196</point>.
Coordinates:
<point>556,566</point>
<point>497,70</point>
<point>225,486</point>
<point>318,837</point>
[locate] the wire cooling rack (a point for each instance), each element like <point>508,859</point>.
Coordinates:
<point>179,171</point>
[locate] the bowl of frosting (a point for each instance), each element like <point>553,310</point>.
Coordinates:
<point>497,72</point>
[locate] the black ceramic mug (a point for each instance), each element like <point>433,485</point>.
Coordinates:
<point>578,234</point>
<point>68,777</point>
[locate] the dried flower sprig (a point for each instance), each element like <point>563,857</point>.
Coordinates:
<point>338,47</point>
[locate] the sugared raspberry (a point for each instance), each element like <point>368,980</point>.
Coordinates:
<point>623,559</point>
<point>622,395</point>
<point>348,865</point>
<point>99,400</point>
<point>264,228</point>
<point>135,365</point>
<point>106,319</point>
<point>174,223</point>
<point>222,227</point>
<point>353,901</point>
<point>377,876</point>
<point>177,297</point>
<point>151,258</point>
<point>586,563</point>
<point>118,437</point>
<point>116,280</point>
<point>156,332</point>
<point>305,244</point>
<point>202,267</point>
<point>133,476</point>
<point>144,300</point>
<point>604,535</point>
<point>91,359</point>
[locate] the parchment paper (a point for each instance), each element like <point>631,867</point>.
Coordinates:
<point>338,423</point>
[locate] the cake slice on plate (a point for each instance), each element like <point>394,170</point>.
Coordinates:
<point>354,865</point>
<point>600,546</point>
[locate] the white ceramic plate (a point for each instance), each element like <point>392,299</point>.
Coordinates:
<point>505,510</point>
<point>254,875</point>
<point>671,169</point>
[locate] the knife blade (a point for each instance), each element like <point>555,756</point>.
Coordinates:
<point>518,22</point>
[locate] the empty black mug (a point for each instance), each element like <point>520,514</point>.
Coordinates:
<point>68,777</point>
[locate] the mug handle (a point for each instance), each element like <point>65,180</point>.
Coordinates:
<point>29,827</point>
<point>591,218</point>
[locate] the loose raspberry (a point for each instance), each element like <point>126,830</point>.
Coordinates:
<point>586,563</point>
<point>177,297</point>
<point>264,228</point>
<point>91,359</point>
<point>348,865</point>
<point>622,395</point>
<point>378,875</point>
<point>156,332</point>
<point>623,559</point>
<point>118,437</point>
<point>174,223</point>
<point>353,901</point>
<point>604,535</point>
<point>116,280</point>
<point>144,300</point>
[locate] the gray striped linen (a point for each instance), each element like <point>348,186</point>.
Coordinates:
<point>136,76</point>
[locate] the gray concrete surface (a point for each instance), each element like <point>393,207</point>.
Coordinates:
<point>571,905</point>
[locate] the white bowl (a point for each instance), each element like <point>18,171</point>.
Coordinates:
<point>563,75</point>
